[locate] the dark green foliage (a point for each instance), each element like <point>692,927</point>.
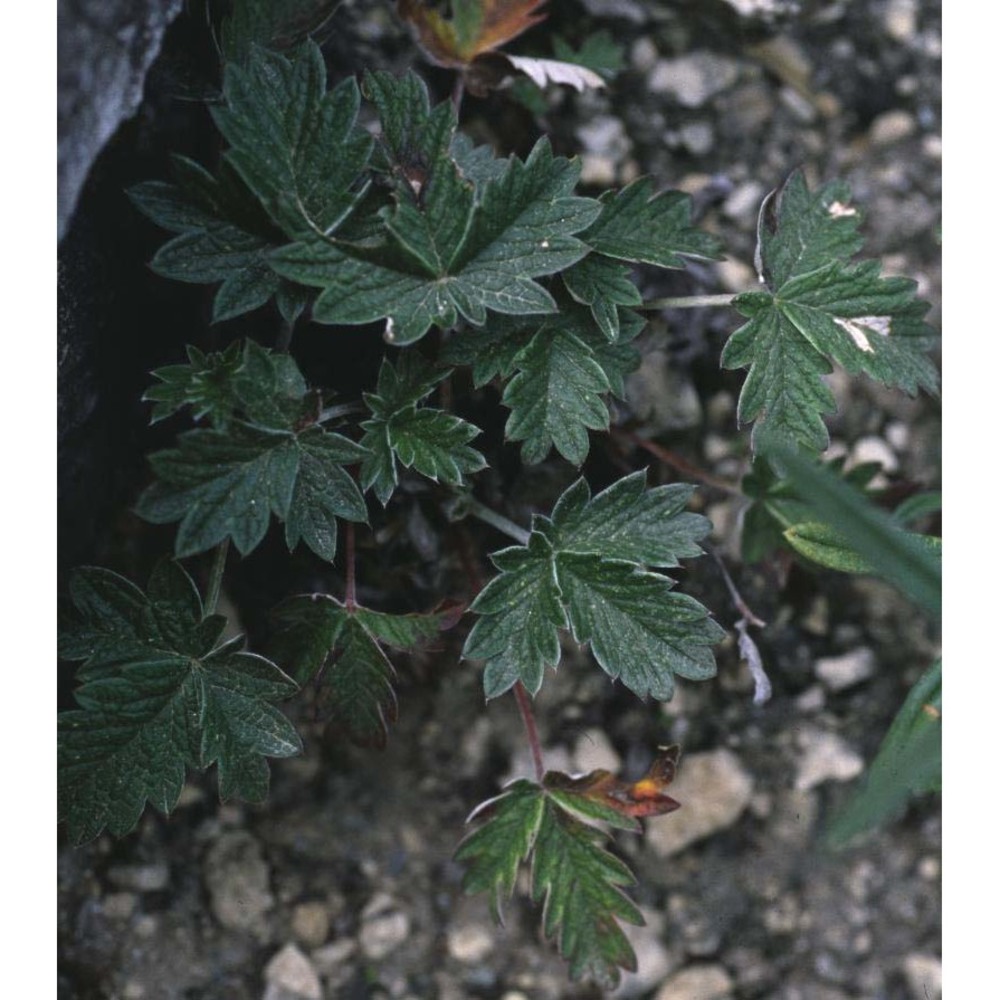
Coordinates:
<point>819,308</point>
<point>160,694</point>
<point>266,455</point>
<point>294,144</point>
<point>431,441</point>
<point>575,878</point>
<point>319,637</point>
<point>225,236</point>
<point>587,568</point>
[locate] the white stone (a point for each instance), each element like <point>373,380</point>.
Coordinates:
<point>698,982</point>
<point>841,672</point>
<point>923,976</point>
<point>713,789</point>
<point>237,878</point>
<point>891,127</point>
<point>311,923</point>
<point>698,137</point>
<point>693,79</point>
<point>644,54</point>
<point>654,961</point>
<point>384,927</point>
<point>873,449</point>
<point>291,971</point>
<point>825,757</point>
<point>469,943</point>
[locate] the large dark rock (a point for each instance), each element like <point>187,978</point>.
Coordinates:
<point>105,48</point>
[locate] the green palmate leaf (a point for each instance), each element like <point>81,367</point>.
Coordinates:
<point>575,878</point>
<point>355,690</point>
<point>266,389</point>
<point>271,24</point>
<point>160,695</point>
<point>818,309</point>
<point>900,557</point>
<point>826,546</point>
<point>453,245</point>
<point>431,441</point>
<point>586,569</point>
<point>580,884</point>
<point>604,285</point>
<point>221,485</point>
<point>558,370</point>
<point>204,384</point>
<point>294,144</point>
<point>225,237</point>
<point>908,763</point>
<point>636,226</point>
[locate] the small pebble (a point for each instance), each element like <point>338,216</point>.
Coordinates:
<point>593,750</point>
<point>141,878</point>
<point>384,927</point>
<point>892,127</point>
<point>692,80</point>
<point>825,757</point>
<point>698,982</point>
<point>923,976</point>
<point>310,924</point>
<point>291,971</point>
<point>698,137</point>
<point>839,673</point>
<point>470,943</point>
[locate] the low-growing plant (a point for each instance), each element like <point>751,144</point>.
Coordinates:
<point>483,269</point>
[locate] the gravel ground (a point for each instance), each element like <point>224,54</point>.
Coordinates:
<point>343,884</point>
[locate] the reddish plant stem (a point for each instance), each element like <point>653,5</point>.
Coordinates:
<point>350,593</point>
<point>524,704</point>
<point>675,461</point>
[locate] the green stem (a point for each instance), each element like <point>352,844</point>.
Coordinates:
<point>215,577</point>
<point>689,302</point>
<point>350,585</point>
<point>498,521</point>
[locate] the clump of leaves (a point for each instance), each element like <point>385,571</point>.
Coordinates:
<point>820,308</point>
<point>531,286</point>
<point>161,692</point>
<point>550,825</point>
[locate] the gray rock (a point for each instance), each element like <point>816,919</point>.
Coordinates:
<point>698,137</point>
<point>900,18</point>
<point>593,750</point>
<point>141,878</point>
<point>311,923</point>
<point>289,975</point>
<point>237,878</point>
<point>644,54</point>
<point>713,789</point>
<point>891,127</point>
<point>469,943</point>
<point>334,962</point>
<point>825,757</point>
<point>384,926</point>
<point>692,80</point>
<point>841,672</point>
<point>699,982</point>
<point>663,398</point>
<point>923,976</point>
<point>104,49</point>
<point>874,449</point>
<point>744,201</point>
<point>605,135</point>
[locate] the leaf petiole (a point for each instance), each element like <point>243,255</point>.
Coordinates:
<point>498,521</point>
<point>688,302</point>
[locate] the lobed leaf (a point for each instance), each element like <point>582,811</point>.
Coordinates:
<point>225,236</point>
<point>820,308</point>
<point>295,145</point>
<point>572,575</point>
<point>160,695</point>
<point>319,637</point>
<point>431,441</point>
<point>453,248</point>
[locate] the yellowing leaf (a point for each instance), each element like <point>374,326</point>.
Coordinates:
<point>475,27</point>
